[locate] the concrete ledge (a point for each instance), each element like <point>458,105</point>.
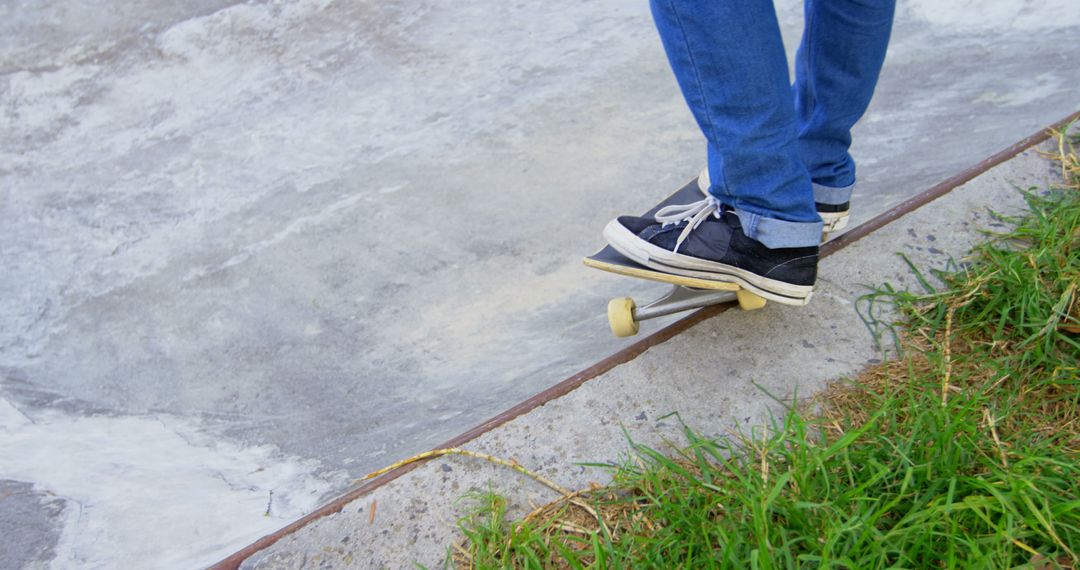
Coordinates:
<point>719,374</point>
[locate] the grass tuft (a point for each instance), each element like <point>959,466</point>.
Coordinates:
<point>962,453</point>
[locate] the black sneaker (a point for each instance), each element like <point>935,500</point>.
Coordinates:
<point>706,241</point>
<point>835,216</point>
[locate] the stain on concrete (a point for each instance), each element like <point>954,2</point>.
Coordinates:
<point>30,524</point>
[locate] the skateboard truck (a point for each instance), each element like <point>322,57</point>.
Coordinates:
<point>624,316</point>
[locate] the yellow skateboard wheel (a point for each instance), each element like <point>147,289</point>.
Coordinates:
<point>747,301</point>
<point>620,316</point>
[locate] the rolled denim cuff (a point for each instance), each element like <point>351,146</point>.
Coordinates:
<point>773,233</point>
<point>834,196</point>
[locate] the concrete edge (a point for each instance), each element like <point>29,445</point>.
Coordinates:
<point>637,348</point>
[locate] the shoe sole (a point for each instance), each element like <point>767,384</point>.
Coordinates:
<point>834,221</point>
<point>657,258</point>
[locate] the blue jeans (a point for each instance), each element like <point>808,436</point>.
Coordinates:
<point>774,149</point>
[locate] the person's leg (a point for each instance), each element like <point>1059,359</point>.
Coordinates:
<point>758,227</point>
<point>836,69</point>
<point>728,58</point>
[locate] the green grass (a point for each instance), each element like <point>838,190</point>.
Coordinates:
<point>962,453</point>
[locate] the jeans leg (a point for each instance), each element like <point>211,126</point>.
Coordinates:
<point>836,69</point>
<point>728,58</point>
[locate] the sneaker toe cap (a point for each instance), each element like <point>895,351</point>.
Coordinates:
<point>636,224</point>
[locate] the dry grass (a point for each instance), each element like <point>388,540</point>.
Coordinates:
<point>1047,409</point>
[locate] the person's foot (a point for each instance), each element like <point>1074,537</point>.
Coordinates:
<point>706,241</point>
<point>835,216</point>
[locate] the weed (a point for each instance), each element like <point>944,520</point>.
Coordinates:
<point>962,453</point>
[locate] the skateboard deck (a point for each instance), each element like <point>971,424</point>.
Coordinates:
<point>688,293</point>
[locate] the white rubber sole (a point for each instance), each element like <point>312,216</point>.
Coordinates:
<point>657,258</point>
<point>834,221</point>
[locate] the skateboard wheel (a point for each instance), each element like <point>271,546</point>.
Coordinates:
<point>747,301</point>
<point>620,315</point>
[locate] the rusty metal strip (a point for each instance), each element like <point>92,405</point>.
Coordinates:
<point>943,187</point>
<point>634,350</point>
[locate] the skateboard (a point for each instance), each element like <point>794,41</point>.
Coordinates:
<point>685,293</point>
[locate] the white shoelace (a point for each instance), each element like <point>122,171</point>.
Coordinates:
<point>695,213</point>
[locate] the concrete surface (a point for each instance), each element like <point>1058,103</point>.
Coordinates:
<point>717,376</point>
<point>266,247</point>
